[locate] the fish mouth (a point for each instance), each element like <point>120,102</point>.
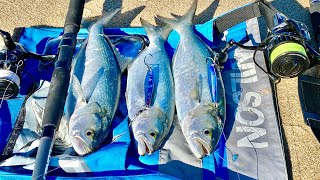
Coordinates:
<point>201,148</point>
<point>80,146</point>
<point>144,146</point>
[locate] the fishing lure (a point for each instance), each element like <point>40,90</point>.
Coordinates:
<point>149,84</point>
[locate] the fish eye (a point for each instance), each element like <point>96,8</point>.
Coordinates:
<point>153,134</point>
<point>207,132</point>
<point>89,133</point>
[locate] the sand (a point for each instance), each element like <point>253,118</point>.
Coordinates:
<point>301,147</point>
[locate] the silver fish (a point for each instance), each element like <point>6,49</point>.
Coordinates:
<point>151,121</point>
<point>94,89</point>
<point>200,118</point>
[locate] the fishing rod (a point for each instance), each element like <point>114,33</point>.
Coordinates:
<point>58,88</point>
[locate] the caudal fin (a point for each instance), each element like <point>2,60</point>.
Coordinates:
<point>180,22</point>
<point>108,16</point>
<point>102,21</point>
<point>155,30</point>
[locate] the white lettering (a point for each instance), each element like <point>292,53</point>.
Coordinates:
<point>256,101</point>
<point>250,117</point>
<point>248,70</point>
<point>250,111</point>
<point>247,113</point>
<point>256,133</point>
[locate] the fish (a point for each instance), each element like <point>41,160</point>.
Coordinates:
<point>201,118</point>
<point>94,89</point>
<point>150,92</point>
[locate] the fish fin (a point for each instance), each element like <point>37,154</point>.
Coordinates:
<point>155,30</point>
<point>77,92</point>
<point>174,23</point>
<point>188,16</point>
<point>37,110</point>
<point>106,17</point>
<point>197,90</point>
<point>123,61</point>
<point>185,20</point>
<point>92,83</point>
<point>88,22</point>
<point>165,31</point>
<point>200,87</point>
<point>80,56</point>
<point>176,16</point>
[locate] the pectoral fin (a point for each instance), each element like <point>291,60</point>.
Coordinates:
<point>92,84</point>
<point>38,112</point>
<point>77,92</point>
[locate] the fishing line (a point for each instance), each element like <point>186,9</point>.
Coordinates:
<point>222,125</point>
<point>59,167</point>
<point>4,94</point>
<point>255,150</point>
<point>256,49</point>
<point>231,162</point>
<point>260,47</point>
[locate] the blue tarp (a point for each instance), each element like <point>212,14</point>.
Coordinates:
<point>125,163</point>
<point>120,160</point>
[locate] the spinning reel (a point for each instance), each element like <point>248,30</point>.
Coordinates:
<point>12,58</point>
<point>287,49</point>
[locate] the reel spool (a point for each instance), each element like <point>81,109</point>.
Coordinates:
<point>287,56</point>
<point>9,84</point>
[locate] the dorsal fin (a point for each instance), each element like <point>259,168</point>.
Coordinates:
<point>123,61</point>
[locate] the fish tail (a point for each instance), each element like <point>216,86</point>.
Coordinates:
<point>103,21</point>
<point>108,16</point>
<point>180,22</point>
<point>154,30</point>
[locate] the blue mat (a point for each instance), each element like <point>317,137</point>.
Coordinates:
<point>230,160</point>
